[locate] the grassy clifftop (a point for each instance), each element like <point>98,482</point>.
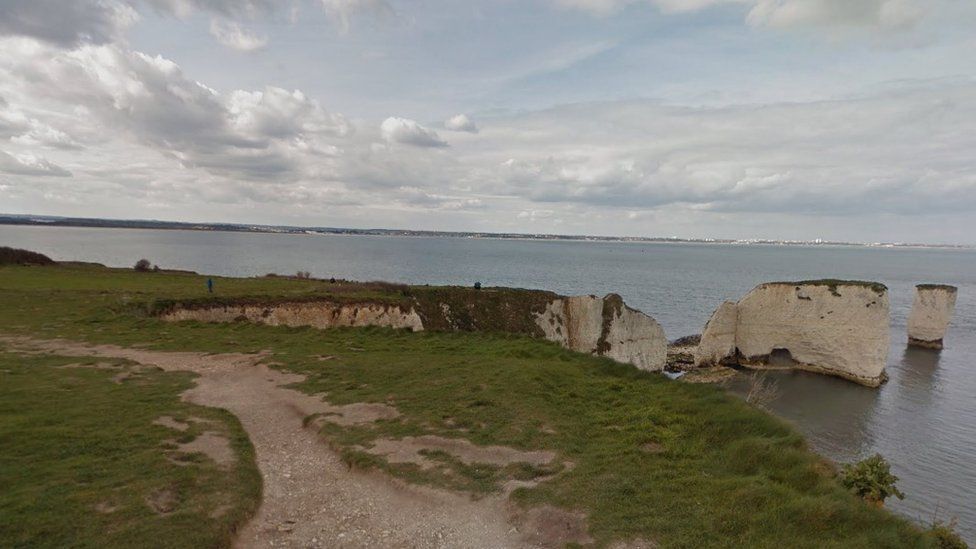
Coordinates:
<point>641,457</point>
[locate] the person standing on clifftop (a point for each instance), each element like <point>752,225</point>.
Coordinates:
<point>210,285</point>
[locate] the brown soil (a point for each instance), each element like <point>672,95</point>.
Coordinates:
<point>713,374</point>
<point>171,423</point>
<point>163,501</point>
<point>555,527</point>
<point>408,450</point>
<point>311,499</point>
<point>213,445</point>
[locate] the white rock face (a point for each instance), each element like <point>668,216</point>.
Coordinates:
<point>605,327</point>
<point>931,312</point>
<point>717,343</point>
<point>586,324</point>
<point>635,338</point>
<point>837,329</point>
<point>315,314</point>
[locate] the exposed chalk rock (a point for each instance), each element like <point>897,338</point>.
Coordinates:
<point>632,337</point>
<point>931,312</point>
<point>717,345</point>
<point>586,324</point>
<point>605,327</point>
<point>832,327</point>
<point>317,314</point>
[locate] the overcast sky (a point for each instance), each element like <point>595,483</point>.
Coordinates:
<point>835,119</point>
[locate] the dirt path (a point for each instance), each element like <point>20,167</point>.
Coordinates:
<point>311,499</point>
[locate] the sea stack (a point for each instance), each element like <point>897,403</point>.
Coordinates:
<point>833,327</point>
<point>931,312</point>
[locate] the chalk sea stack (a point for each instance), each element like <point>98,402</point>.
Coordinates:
<point>833,327</point>
<point>931,313</point>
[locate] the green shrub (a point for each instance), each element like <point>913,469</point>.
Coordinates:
<point>16,256</point>
<point>871,479</point>
<point>946,536</point>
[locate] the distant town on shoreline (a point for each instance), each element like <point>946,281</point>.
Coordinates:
<point>58,221</point>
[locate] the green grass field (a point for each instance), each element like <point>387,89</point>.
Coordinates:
<point>682,465</point>
<point>82,463</point>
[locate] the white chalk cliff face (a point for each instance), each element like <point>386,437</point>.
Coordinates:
<point>931,312</point>
<point>605,327</point>
<point>839,329</point>
<point>717,343</point>
<point>318,314</point>
<point>586,324</point>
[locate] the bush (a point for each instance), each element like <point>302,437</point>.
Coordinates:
<point>15,256</point>
<point>303,274</point>
<point>946,536</point>
<point>143,266</point>
<point>477,285</point>
<point>871,479</point>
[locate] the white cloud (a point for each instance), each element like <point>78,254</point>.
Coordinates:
<point>28,164</point>
<point>874,14</point>
<point>227,8</point>
<point>409,132</point>
<point>66,23</point>
<point>254,134</point>
<point>234,36</point>
<point>342,11</point>
<point>461,123</point>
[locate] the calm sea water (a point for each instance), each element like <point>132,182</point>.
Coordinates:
<point>923,420</point>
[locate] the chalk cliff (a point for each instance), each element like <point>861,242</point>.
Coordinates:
<point>605,327</point>
<point>317,314</point>
<point>837,328</point>
<point>717,344</point>
<point>931,312</point>
<point>587,324</point>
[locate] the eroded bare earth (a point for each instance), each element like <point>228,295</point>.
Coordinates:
<point>311,499</point>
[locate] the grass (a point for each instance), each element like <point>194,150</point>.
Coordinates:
<point>833,283</point>
<point>722,474</point>
<point>946,287</point>
<point>80,456</point>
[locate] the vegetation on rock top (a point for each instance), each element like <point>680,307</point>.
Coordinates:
<point>833,284</point>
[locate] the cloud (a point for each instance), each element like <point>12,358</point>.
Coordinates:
<point>66,23</point>
<point>461,123</point>
<point>252,134</point>
<point>28,164</point>
<point>882,14</point>
<point>342,11</point>
<point>409,132</point>
<point>236,9</point>
<point>903,151</point>
<point>865,14</point>
<point>236,37</point>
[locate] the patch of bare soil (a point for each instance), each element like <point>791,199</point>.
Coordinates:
<point>652,447</point>
<point>549,526</point>
<point>356,413</point>
<point>163,501</point>
<point>311,499</point>
<point>171,423</point>
<point>105,507</point>
<point>635,544</point>
<point>213,445</point>
<point>408,450</point>
<point>713,374</point>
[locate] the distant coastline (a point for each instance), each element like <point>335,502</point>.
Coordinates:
<point>59,221</point>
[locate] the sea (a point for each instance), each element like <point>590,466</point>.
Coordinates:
<point>923,420</point>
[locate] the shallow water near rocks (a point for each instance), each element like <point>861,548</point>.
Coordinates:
<point>923,420</point>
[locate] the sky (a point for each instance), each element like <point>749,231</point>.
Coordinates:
<point>848,120</point>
